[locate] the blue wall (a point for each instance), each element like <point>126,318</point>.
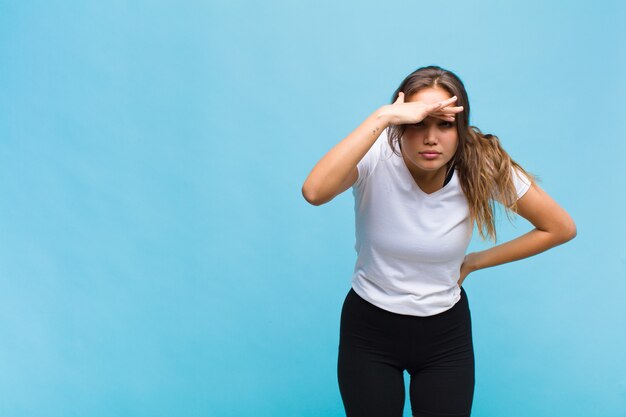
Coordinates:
<point>158,259</point>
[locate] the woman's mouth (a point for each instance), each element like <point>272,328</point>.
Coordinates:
<point>430,155</point>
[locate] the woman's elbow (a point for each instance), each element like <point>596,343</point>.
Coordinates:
<point>572,231</point>
<point>311,197</point>
<point>568,231</point>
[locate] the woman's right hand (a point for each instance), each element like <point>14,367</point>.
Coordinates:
<point>415,111</point>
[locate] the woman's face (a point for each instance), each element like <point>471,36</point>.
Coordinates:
<point>431,134</point>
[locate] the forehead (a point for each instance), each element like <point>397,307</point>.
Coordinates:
<point>430,95</point>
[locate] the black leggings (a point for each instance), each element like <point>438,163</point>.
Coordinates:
<point>376,346</point>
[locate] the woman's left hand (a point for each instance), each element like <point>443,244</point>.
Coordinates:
<point>468,266</point>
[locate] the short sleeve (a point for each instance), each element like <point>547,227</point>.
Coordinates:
<point>367,164</point>
<point>521,181</point>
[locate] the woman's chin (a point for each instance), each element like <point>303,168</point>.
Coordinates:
<point>428,165</point>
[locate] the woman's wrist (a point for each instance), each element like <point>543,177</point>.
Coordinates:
<point>472,261</point>
<point>383,114</point>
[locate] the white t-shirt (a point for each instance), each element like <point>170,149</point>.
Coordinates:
<point>410,245</point>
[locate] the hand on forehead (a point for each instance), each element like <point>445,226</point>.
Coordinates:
<point>430,95</point>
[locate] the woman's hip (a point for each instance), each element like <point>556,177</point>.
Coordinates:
<point>362,318</point>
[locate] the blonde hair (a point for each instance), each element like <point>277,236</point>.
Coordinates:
<point>484,167</point>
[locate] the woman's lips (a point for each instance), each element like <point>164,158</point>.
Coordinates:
<point>429,155</point>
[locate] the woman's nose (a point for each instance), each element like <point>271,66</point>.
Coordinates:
<point>431,136</point>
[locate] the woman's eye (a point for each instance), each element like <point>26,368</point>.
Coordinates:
<point>446,124</point>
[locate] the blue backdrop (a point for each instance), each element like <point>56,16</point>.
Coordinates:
<point>157,257</point>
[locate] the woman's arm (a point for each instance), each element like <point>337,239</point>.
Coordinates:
<point>336,171</point>
<point>553,227</point>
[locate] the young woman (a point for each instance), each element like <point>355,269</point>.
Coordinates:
<point>421,178</point>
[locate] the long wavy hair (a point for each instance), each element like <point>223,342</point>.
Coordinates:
<point>483,166</point>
